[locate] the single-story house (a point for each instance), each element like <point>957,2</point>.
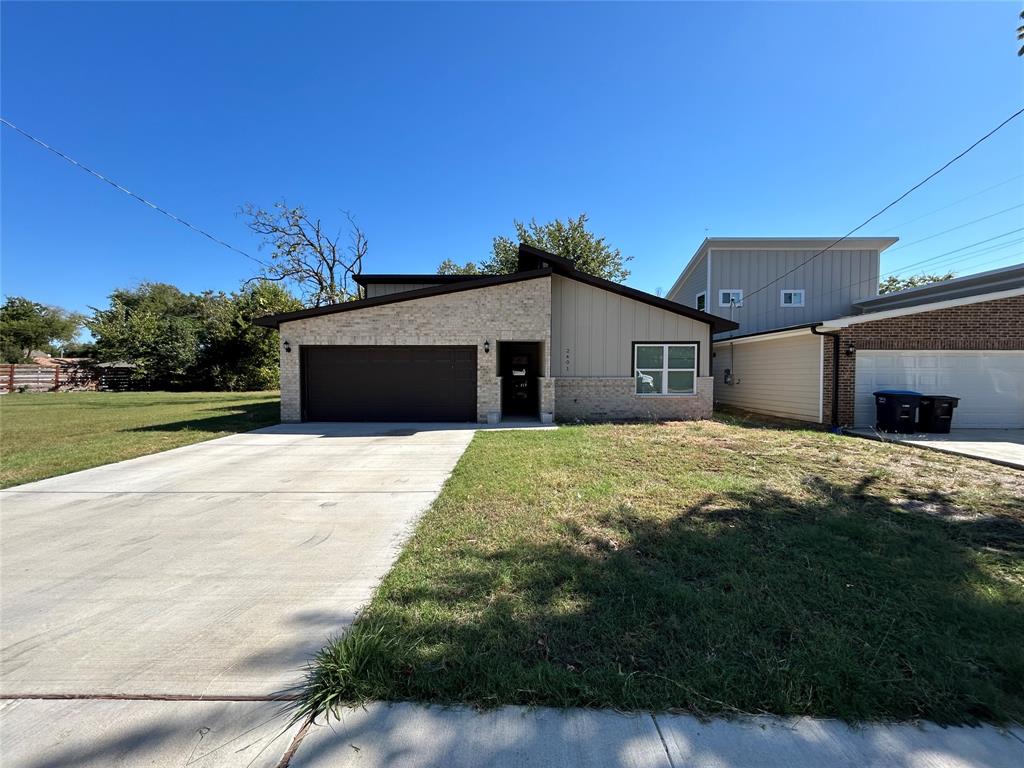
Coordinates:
<point>962,337</point>
<point>546,342</point>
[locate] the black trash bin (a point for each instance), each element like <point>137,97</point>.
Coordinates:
<point>935,413</point>
<point>896,410</point>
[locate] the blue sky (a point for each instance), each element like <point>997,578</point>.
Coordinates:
<point>437,125</point>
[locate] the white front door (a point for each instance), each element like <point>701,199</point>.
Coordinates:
<point>990,384</point>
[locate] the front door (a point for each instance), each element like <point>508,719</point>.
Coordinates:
<point>518,364</point>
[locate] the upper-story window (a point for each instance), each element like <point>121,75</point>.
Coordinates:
<point>791,297</point>
<point>702,301</point>
<point>730,297</point>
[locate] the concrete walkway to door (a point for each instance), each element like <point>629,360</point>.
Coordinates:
<point>212,571</point>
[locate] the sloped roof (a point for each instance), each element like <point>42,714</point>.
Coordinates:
<point>533,263</point>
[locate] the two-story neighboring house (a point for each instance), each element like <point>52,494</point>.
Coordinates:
<point>799,311</point>
<point>733,277</point>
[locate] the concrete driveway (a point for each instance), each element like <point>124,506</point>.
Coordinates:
<point>212,570</point>
<point>208,575</point>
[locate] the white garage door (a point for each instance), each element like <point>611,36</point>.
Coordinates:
<point>990,385</point>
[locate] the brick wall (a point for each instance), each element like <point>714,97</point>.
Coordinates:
<point>518,311</point>
<point>614,399</point>
<point>997,324</point>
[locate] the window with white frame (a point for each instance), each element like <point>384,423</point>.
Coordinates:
<point>730,297</point>
<point>791,297</point>
<point>701,301</point>
<point>665,369</point>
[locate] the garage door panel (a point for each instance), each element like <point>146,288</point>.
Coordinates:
<point>389,383</point>
<point>990,384</point>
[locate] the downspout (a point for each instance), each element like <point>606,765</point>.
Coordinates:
<point>835,372</point>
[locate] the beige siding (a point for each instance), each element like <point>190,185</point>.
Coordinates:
<point>593,330</point>
<point>832,281</point>
<point>780,377</point>
<point>385,289</point>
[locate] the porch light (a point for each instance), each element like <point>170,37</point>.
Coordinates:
<point>850,349</point>
<point>287,346</point>
<point>487,347</point>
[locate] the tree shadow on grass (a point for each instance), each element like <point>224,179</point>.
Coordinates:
<point>837,603</point>
<point>233,418</point>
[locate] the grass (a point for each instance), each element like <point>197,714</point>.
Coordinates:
<point>712,567</point>
<point>47,434</point>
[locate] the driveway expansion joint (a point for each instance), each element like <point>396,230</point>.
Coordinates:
<point>664,744</point>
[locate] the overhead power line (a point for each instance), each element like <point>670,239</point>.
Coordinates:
<point>128,192</point>
<point>1003,183</point>
<point>960,257</point>
<point>874,216</point>
<point>958,226</point>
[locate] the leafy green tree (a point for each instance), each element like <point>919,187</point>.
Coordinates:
<point>449,267</point>
<point>892,284</point>
<point>178,340</point>
<point>156,327</point>
<point>27,325</point>
<point>569,239</point>
<point>240,355</point>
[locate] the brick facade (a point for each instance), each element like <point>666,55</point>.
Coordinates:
<point>518,311</point>
<point>614,399</point>
<point>996,325</point>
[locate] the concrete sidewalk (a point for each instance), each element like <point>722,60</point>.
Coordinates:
<point>254,735</point>
<point>411,736</point>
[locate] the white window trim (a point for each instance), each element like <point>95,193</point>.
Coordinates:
<point>696,301</point>
<point>729,303</point>
<point>665,369</point>
<point>794,291</point>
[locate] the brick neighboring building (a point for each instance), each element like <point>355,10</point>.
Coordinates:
<point>963,337</point>
<point>983,326</point>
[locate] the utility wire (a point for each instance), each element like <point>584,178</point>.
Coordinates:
<point>957,254</point>
<point>871,218</point>
<point>128,192</point>
<point>958,226</point>
<point>1002,183</point>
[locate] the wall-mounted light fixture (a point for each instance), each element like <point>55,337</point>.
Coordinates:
<point>487,347</point>
<point>850,349</point>
<point>287,346</point>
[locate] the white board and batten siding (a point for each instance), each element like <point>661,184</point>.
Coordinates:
<point>776,377</point>
<point>593,330</point>
<point>989,383</point>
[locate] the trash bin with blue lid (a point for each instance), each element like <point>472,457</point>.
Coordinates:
<point>896,410</point>
<point>935,413</point>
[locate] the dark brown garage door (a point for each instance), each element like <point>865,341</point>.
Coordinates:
<point>419,383</point>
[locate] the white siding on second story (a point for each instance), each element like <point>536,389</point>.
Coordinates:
<point>831,283</point>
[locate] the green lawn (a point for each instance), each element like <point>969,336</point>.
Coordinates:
<point>712,567</point>
<point>42,435</point>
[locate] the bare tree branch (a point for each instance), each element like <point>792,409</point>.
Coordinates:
<point>303,254</point>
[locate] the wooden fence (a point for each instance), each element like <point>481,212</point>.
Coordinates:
<point>61,378</point>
